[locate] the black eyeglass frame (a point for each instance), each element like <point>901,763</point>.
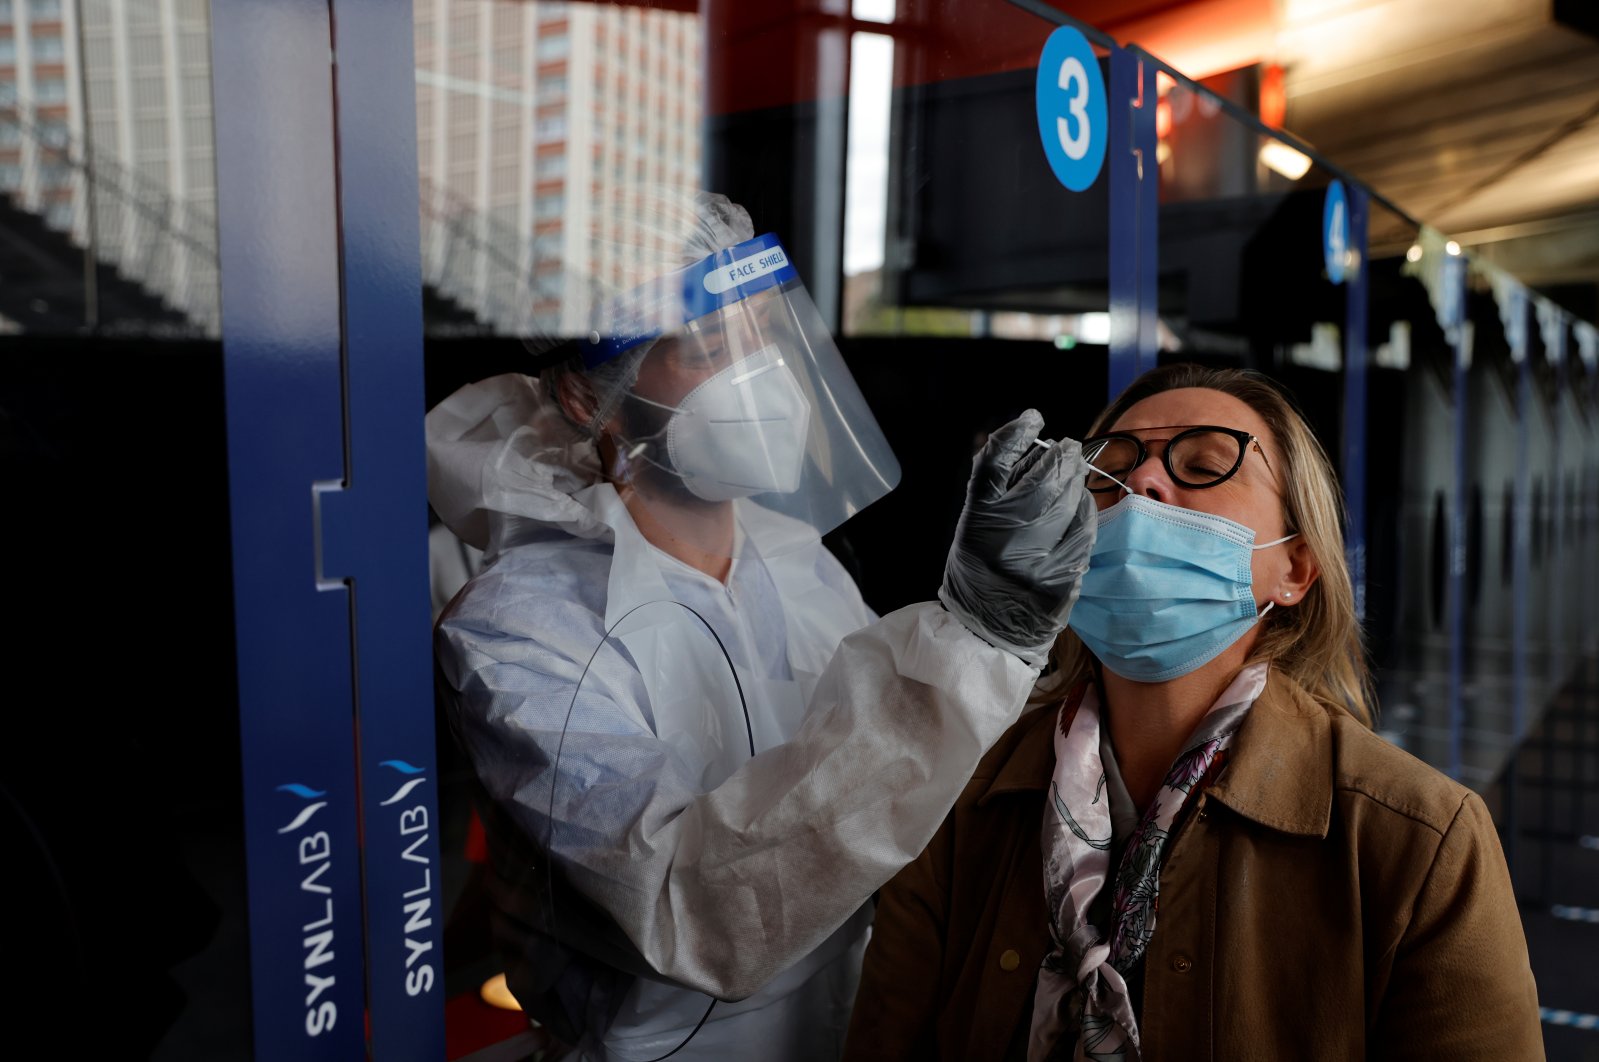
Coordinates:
<point>1244,440</point>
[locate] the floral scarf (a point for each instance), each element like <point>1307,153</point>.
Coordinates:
<point>1081,1010</point>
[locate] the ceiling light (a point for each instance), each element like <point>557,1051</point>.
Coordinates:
<point>1414,254</point>
<point>1452,247</point>
<point>1280,158</point>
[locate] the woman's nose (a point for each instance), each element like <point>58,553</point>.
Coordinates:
<point>1148,478</point>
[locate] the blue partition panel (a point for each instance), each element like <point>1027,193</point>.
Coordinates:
<point>1553,324</point>
<point>375,531</point>
<point>1353,471</point>
<point>1133,217</point>
<point>1460,340</point>
<point>277,229</point>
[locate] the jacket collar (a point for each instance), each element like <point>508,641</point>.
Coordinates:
<point>1030,764</point>
<point>1281,774</point>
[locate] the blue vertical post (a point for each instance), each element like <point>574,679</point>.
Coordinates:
<point>1590,593</point>
<point>1521,517</point>
<point>1520,563</point>
<point>1555,348</point>
<point>1134,216</point>
<point>1460,340</point>
<point>1591,513</point>
<point>1146,142</point>
<point>277,230</point>
<point>1357,287</point>
<point>375,530</point>
<point>1551,331</point>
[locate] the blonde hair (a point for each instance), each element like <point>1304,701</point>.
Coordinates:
<point>1318,643</point>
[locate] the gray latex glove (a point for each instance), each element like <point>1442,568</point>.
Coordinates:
<point>1023,541</point>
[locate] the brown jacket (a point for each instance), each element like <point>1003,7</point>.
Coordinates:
<point>1331,898</point>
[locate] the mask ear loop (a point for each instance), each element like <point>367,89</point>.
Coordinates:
<point>638,446</point>
<point>1267,545</point>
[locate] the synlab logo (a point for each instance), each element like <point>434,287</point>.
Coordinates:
<point>314,852</point>
<point>416,868</point>
<point>304,792</point>
<point>405,789</point>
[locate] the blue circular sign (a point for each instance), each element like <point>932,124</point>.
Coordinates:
<point>1335,231</point>
<point>1070,97</point>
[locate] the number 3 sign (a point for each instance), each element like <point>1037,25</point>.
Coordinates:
<point>1070,98</point>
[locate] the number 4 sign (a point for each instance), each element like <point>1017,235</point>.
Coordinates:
<point>1335,231</point>
<point>1070,98</point>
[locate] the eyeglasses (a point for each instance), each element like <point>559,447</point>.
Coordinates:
<point>1197,457</point>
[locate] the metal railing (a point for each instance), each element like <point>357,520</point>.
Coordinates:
<point>117,217</point>
<point>487,268</point>
<point>167,247</point>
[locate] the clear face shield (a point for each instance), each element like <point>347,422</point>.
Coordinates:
<point>740,395</point>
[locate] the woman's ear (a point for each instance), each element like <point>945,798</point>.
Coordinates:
<point>1303,571</point>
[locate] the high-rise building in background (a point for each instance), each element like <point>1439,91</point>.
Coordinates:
<point>38,107</point>
<point>530,114</point>
<point>130,115</point>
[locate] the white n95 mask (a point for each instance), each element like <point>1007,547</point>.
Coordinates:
<point>742,431</point>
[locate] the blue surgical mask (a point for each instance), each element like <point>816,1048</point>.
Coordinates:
<point>1167,589</point>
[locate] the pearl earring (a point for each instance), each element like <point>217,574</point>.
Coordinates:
<point>1287,594</point>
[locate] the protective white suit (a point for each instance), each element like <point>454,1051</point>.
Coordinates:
<point>738,877</point>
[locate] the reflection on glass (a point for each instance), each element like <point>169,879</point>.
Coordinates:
<point>873,10</point>
<point>941,237</point>
<point>1247,275</point>
<point>540,128</point>
<point>106,159</point>
<point>528,114</point>
<point>1282,159</point>
<point>1205,152</point>
<point>866,180</point>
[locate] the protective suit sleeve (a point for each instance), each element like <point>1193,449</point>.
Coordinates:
<point>722,890</point>
<point>1023,541</point>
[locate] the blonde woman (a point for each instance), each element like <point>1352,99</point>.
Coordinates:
<point>1195,847</point>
